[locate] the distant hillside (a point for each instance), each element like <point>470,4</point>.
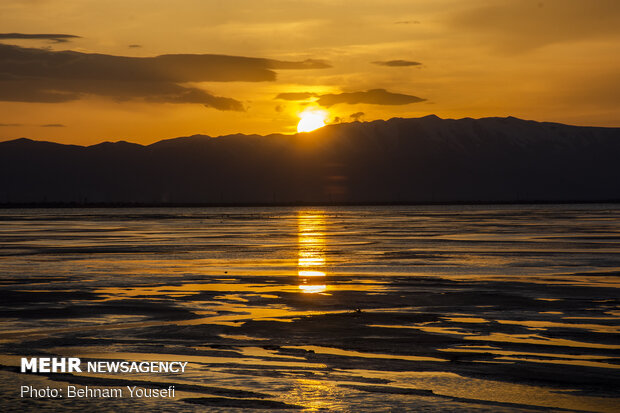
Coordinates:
<point>396,161</point>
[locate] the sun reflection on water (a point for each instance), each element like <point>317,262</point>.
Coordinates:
<point>314,395</point>
<point>311,251</point>
<point>313,288</point>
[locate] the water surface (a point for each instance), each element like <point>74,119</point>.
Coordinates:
<point>480,308</point>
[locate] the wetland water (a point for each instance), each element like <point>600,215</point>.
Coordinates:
<point>438,308</point>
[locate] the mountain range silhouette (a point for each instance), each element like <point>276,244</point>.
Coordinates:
<point>417,160</point>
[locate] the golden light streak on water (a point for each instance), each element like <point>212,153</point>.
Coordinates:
<point>311,250</point>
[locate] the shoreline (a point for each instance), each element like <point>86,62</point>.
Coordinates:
<point>58,205</point>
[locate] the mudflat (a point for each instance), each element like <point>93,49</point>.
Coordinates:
<point>477,308</point>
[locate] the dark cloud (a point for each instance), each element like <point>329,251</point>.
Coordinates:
<point>38,75</point>
<point>57,38</point>
<point>296,96</point>
<point>407,22</point>
<point>305,64</point>
<point>47,125</point>
<point>373,96</point>
<point>133,46</point>
<point>357,116</point>
<point>398,63</point>
<point>37,89</point>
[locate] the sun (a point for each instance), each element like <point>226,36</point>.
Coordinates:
<point>311,119</point>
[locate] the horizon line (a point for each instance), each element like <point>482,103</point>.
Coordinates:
<point>119,205</point>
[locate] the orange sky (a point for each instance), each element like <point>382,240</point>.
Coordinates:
<point>555,60</point>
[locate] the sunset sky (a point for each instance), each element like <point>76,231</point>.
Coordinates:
<point>547,60</point>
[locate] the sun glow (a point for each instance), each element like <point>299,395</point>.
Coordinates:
<point>311,120</point>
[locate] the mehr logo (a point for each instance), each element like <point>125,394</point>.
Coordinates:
<point>51,365</point>
<point>72,364</point>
